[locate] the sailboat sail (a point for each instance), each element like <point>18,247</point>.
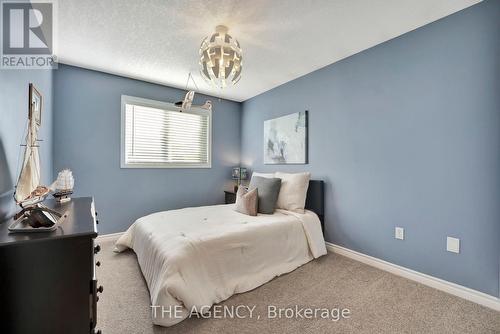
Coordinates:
<point>29,178</point>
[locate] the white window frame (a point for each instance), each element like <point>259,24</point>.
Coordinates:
<point>125,99</point>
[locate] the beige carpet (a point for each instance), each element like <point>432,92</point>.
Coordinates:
<point>379,302</point>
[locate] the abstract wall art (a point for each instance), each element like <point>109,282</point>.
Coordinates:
<point>285,139</point>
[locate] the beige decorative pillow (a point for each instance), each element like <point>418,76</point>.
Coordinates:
<point>293,192</point>
<point>266,175</point>
<point>247,201</point>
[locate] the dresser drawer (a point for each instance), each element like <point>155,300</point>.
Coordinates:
<point>48,281</point>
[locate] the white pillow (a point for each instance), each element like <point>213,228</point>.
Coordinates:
<point>267,175</point>
<point>293,192</point>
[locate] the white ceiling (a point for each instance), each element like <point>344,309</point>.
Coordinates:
<point>158,40</point>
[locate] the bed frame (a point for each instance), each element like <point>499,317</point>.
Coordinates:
<point>315,200</point>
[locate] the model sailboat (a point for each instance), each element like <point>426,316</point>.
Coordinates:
<point>29,193</point>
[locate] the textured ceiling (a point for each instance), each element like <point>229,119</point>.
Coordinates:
<point>158,40</point>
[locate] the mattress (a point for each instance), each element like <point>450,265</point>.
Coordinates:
<point>195,257</point>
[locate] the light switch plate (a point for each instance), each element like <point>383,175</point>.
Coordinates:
<point>399,233</point>
<point>453,245</point>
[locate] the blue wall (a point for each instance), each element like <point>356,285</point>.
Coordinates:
<point>14,85</point>
<point>406,134</point>
<point>87,140</point>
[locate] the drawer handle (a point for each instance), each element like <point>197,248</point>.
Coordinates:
<point>97,249</point>
<point>100,289</point>
<point>98,263</point>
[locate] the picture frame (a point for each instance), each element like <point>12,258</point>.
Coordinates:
<point>286,139</point>
<point>35,104</point>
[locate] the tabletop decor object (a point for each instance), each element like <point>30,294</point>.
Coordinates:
<point>239,174</point>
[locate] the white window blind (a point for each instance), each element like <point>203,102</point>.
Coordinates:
<point>156,134</point>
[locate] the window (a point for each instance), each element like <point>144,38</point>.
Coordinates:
<point>156,135</point>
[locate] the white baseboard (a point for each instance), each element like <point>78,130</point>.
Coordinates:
<point>105,237</point>
<point>434,282</point>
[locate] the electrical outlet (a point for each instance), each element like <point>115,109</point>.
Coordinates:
<point>453,245</point>
<point>399,233</point>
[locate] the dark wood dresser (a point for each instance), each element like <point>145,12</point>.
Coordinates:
<point>47,280</point>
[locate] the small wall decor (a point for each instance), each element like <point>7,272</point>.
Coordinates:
<point>285,139</point>
<point>35,107</point>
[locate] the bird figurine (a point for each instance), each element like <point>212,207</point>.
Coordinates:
<point>187,103</point>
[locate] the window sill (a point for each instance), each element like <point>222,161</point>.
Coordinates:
<point>166,166</point>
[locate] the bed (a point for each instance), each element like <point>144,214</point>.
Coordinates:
<point>195,257</point>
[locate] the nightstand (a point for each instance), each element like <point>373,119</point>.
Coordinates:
<point>229,197</point>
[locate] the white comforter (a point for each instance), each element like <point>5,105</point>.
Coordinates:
<point>195,257</point>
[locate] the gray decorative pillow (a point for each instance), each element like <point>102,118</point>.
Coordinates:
<point>246,201</point>
<point>269,189</point>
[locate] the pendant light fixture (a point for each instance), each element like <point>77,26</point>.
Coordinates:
<point>221,58</point>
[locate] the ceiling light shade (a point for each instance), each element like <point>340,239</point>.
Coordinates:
<point>221,58</point>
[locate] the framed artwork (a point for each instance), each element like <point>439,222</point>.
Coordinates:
<point>35,105</point>
<point>286,139</point>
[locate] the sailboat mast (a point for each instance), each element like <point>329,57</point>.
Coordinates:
<point>29,176</point>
